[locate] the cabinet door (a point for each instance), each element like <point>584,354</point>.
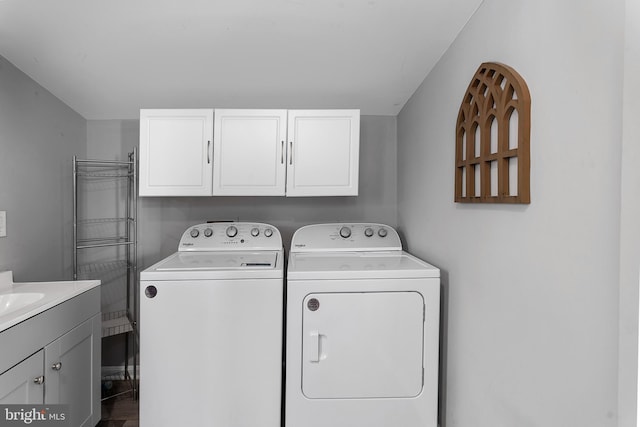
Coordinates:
<point>323,152</point>
<point>249,152</point>
<point>175,152</point>
<point>21,384</point>
<point>72,370</point>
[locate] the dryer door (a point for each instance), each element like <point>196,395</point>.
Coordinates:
<point>362,345</point>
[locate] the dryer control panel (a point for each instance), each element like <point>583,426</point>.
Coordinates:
<point>345,237</point>
<point>231,236</point>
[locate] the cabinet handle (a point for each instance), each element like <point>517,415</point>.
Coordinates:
<point>282,152</point>
<point>56,366</point>
<point>39,380</point>
<point>290,152</point>
<point>208,152</point>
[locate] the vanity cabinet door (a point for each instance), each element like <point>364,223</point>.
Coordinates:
<point>72,370</point>
<point>24,383</point>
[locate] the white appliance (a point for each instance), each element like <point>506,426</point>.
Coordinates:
<point>211,330</point>
<point>362,330</point>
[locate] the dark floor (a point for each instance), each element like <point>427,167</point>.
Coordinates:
<point>122,410</point>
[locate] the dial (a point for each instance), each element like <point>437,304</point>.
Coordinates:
<point>194,233</point>
<point>368,232</point>
<point>382,232</point>
<point>255,231</point>
<point>268,232</point>
<point>232,231</point>
<point>208,232</point>
<point>345,232</point>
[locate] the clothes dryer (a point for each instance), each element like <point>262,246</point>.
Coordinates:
<point>362,330</point>
<point>211,330</point>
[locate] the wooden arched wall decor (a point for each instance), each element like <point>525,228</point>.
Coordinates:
<point>492,138</point>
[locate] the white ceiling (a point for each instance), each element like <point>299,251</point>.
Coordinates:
<point>107,59</point>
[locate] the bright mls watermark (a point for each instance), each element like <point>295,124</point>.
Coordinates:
<point>34,415</point>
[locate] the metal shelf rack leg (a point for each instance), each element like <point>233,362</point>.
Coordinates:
<point>120,321</point>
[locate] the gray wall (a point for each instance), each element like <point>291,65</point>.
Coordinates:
<point>531,292</point>
<point>164,219</point>
<point>39,134</point>
<point>630,225</point>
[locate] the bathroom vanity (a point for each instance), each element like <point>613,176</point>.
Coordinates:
<point>50,336</point>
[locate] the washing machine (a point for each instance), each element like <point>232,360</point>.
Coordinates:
<point>362,333</point>
<point>211,325</point>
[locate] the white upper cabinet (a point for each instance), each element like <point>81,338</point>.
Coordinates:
<point>175,152</point>
<point>249,150</point>
<point>323,152</point>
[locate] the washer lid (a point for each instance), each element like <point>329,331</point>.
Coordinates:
<point>218,261</point>
<point>216,265</point>
<point>358,265</point>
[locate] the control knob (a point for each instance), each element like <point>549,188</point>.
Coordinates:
<point>255,232</point>
<point>368,232</point>
<point>194,233</point>
<point>345,232</point>
<point>382,232</point>
<point>232,231</point>
<point>268,232</point>
<point>208,232</point>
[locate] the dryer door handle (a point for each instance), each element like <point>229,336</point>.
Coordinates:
<point>313,347</point>
<point>316,347</point>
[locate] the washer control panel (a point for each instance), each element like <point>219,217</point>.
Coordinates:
<point>345,237</point>
<point>230,236</point>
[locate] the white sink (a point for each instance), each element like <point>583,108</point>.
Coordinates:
<point>15,301</point>
<point>20,301</point>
